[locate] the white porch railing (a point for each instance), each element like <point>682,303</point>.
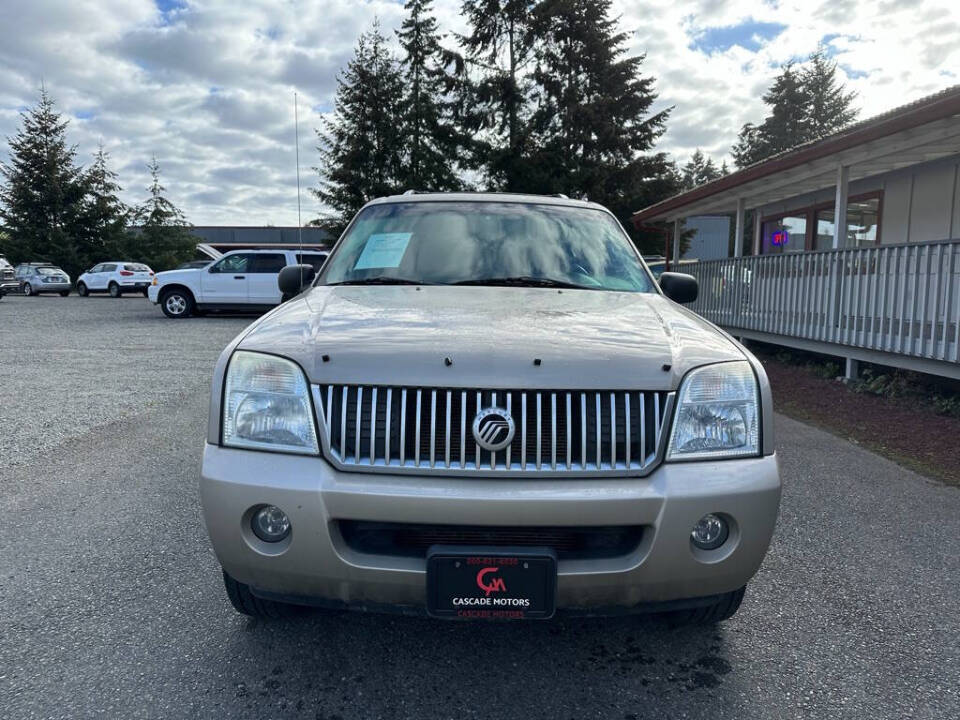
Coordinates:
<point>901,299</point>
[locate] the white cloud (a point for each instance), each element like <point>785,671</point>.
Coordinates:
<point>208,85</point>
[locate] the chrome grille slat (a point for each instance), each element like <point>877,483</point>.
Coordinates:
<point>613,432</point>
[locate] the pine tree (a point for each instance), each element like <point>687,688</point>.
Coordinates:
<point>105,216</point>
<point>594,129</point>
<point>805,104</point>
<point>42,193</point>
<point>700,169</point>
<point>163,239</point>
<point>499,51</point>
<point>829,107</point>
<point>430,138</point>
<point>361,147</point>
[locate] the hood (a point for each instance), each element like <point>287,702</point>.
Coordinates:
<point>174,275</point>
<point>493,336</point>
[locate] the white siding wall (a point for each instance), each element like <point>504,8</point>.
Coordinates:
<point>921,203</point>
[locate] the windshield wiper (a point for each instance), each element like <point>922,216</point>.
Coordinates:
<point>525,281</point>
<point>379,281</point>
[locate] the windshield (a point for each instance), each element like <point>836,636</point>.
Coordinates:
<point>481,243</point>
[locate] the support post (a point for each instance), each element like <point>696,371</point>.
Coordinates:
<point>757,229</point>
<point>738,236</point>
<point>852,371</point>
<point>676,243</point>
<point>840,207</point>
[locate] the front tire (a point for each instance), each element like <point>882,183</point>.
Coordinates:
<point>724,609</point>
<point>27,289</point>
<point>246,603</point>
<point>114,290</point>
<point>177,304</point>
<point>82,290</point>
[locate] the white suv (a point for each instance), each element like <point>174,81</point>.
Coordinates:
<point>115,277</point>
<point>240,280</point>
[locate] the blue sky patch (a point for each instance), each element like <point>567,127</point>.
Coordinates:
<point>750,35</point>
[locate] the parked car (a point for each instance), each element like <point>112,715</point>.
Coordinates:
<point>116,278</point>
<point>36,278</point>
<point>484,406</point>
<point>8,278</point>
<point>240,280</point>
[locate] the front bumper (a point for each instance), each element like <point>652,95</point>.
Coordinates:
<point>315,563</point>
<point>9,286</point>
<point>153,293</point>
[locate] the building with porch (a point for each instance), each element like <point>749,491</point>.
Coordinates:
<point>853,248</point>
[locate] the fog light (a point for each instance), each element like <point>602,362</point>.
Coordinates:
<point>270,524</point>
<point>710,532</point>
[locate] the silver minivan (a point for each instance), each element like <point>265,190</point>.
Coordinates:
<point>485,407</point>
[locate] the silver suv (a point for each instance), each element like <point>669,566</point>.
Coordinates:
<point>484,406</point>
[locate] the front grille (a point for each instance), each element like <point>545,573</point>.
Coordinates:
<point>430,429</point>
<point>412,540</point>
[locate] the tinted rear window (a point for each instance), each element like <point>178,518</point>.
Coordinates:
<point>136,267</point>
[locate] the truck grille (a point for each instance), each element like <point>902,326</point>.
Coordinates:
<point>413,540</point>
<point>430,429</point>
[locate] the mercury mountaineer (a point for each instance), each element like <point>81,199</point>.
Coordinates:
<point>484,406</point>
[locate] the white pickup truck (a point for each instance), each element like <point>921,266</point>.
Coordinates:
<point>239,280</point>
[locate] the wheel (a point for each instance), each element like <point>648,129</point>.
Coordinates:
<point>64,293</point>
<point>114,290</point>
<point>82,290</point>
<point>246,603</point>
<point>27,289</point>
<point>725,608</point>
<point>176,303</point>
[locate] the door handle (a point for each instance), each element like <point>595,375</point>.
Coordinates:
<point>239,277</point>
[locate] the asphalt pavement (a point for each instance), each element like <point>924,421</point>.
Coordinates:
<point>111,603</point>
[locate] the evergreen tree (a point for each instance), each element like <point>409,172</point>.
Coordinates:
<point>498,53</point>
<point>42,193</point>
<point>361,147</point>
<point>163,239</point>
<point>700,169</point>
<point>829,107</point>
<point>430,138</point>
<point>594,129</point>
<point>105,216</point>
<point>805,104</point>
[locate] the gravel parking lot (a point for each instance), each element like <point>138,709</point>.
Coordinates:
<point>111,603</point>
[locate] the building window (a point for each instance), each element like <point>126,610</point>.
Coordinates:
<point>863,224</point>
<point>784,235</point>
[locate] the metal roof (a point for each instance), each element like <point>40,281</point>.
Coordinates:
<point>926,129</point>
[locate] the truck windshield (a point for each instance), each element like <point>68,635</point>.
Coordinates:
<point>487,243</point>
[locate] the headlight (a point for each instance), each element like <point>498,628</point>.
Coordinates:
<point>717,414</point>
<point>266,405</point>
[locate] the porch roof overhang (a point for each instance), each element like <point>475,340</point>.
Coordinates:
<point>921,131</point>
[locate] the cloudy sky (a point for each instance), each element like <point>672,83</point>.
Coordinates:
<point>207,85</point>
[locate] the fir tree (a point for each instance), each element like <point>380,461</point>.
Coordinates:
<point>829,107</point>
<point>361,147</point>
<point>105,216</point>
<point>43,189</point>
<point>430,139</point>
<point>700,169</point>
<point>594,129</point>
<point>499,51</point>
<point>163,239</point>
<point>806,103</point>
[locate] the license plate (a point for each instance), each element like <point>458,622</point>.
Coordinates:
<point>491,583</point>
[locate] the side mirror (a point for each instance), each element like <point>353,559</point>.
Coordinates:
<point>294,278</point>
<point>679,287</point>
